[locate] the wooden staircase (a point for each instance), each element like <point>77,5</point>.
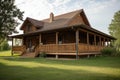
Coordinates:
<point>29,55</point>
<point>34,54</point>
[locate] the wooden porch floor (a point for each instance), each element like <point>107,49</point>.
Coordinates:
<point>87,53</point>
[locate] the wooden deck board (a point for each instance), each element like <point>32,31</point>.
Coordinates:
<point>92,53</point>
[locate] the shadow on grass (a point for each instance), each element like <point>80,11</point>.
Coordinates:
<point>48,73</point>
<point>111,62</point>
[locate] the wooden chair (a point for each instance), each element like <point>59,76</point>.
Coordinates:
<point>32,49</point>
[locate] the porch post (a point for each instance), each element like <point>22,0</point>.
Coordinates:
<point>40,39</point>
<point>56,37</point>
<point>87,38</point>
<point>95,39</point>
<point>100,40</point>
<point>12,48</point>
<point>88,41</point>
<point>56,44</point>
<point>22,40</point>
<point>103,41</point>
<point>77,42</point>
<point>107,42</point>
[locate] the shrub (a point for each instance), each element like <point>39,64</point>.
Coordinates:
<point>4,46</point>
<point>108,51</point>
<point>117,53</point>
<point>43,54</point>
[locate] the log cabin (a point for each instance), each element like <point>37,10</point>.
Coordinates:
<point>68,34</point>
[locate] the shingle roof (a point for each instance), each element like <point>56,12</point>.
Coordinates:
<point>36,23</point>
<point>60,21</point>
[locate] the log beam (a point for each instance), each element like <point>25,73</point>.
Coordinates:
<point>56,37</point>
<point>77,42</point>
<point>87,38</point>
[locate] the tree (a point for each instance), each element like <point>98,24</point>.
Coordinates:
<point>114,29</point>
<point>9,16</point>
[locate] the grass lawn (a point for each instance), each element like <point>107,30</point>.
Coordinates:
<point>94,68</point>
<point>5,53</point>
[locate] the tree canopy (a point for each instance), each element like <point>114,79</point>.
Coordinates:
<point>9,16</point>
<point>114,29</point>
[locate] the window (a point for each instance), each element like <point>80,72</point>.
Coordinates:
<point>17,42</point>
<point>60,38</point>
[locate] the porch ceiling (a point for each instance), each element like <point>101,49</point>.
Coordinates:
<point>24,35</point>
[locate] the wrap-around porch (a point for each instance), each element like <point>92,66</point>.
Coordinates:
<point>65,42</point>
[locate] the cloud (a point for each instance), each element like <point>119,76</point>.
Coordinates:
<point>57,3</point>
<point>99,12</point>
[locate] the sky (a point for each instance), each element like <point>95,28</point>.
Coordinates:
<point>99,12</point>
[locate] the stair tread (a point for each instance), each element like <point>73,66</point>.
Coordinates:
<point>31,54</point>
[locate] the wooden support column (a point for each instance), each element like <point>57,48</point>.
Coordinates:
<point>94,39</point>
<point>56,56</point>
<point>56,37</point>
<point>108,42</point>
<point>77,42</point>
<point>12,48</point>
<point>100,40</point>
<point>87,38</point>
<point>103,41</point>
<point>57,44</point>
<point>88,41</point>
<point>22,40</point>
<point>40,39</point>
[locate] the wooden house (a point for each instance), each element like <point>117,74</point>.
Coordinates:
<point>68,34</point>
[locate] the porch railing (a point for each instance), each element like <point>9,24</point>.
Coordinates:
<point>69,48</point>
<point>61,48</point>
<point>89,48</point>
<point>18,49</point>
<point>54,48</point>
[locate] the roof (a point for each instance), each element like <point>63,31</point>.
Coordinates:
<point>34,22</point>
<point>60,22</point>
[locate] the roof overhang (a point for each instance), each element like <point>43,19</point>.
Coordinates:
<point>93,30</point>
<point>67,27</point>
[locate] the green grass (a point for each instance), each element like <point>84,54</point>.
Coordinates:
<point>94,68</point>
<point>5,53</point>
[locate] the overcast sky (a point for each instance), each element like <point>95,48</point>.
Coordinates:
<point>98,12</point>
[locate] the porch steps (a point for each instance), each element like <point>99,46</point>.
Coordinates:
<point>28,55</point>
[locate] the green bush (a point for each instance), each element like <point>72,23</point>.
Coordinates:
<point>108,51</point>
<point>4,46</point>
<point>117,53</point>
<point>43,54</point>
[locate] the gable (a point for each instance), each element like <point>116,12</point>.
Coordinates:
<point>27,26</point>
<point>79,18</point>
<point>30,25</point>
<point>76,20</point>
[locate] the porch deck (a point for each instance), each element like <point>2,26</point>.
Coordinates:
<point>63,49</point>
